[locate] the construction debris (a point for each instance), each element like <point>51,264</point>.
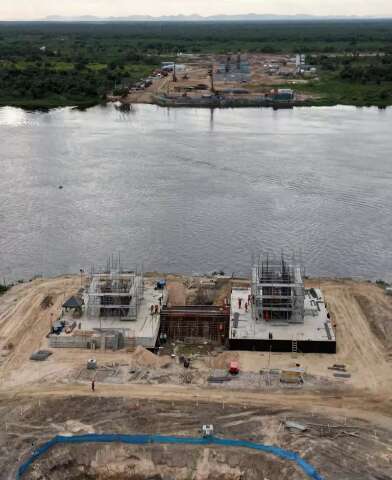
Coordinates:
<point>338,367</point>
<point>296,426</point>
<point>47,302</point>
<point>186,377</point>
<point>342,375</point>
<point>219,379</point>
<point>292,375</point>
<point>40,355</point>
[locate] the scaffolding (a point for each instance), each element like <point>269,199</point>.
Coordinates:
<point>115,294</point>
<point>278,291</point>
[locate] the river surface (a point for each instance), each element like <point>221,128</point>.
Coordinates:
<point>189,190</point>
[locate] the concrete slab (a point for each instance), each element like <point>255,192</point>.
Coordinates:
<point>312,329</point>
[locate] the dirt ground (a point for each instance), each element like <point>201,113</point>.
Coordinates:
<point>184,290</point>
<point>337,446</point>
<point>38,398</point>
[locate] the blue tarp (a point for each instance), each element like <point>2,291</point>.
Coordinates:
<point>308,469</point>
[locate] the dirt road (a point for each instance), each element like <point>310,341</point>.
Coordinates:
<point>358,404</point>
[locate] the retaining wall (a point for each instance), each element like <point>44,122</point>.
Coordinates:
<point>81,341</point>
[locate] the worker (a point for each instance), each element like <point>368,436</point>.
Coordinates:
<point>160,300</point>
<point>93,385</point>
<point>239,302</point>
<point>152,309</point>
<point>156,309</point>
<point>246,306</point>
<point>249,298</point>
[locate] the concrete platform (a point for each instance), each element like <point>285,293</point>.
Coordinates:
<point>144,329</point>
<point>316,334</point>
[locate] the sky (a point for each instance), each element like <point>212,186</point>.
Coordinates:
<point>35,9</point>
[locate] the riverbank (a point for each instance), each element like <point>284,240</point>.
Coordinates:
<point>254,102</point>
<point>334,98</point>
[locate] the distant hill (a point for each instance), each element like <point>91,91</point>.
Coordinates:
<point>195,18</point>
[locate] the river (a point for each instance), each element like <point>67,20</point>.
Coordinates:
<point>191,190</point>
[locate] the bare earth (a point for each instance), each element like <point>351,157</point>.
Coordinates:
<point>363,317</point>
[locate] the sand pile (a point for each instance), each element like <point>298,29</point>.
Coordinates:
<point>222,361</point>
<point>144,358</point>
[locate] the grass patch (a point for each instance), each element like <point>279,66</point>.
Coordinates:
<point>62,66</point>
<point>4,288</point>
<point>97,66</point>
<point>46,103</point>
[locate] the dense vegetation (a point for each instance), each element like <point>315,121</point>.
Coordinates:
<point>361,80</point>
<point>3,288</point>
<point>80,62</point>
<point>52,65</point>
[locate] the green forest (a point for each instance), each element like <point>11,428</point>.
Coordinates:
<point>44,64</point>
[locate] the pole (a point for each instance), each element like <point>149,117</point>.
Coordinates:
<point>269,365</point>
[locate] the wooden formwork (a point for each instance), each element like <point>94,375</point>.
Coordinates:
<point>202,322</point>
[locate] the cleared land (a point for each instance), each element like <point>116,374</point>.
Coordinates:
<point>193,79</point>
<point>40,399</point>
<point>334,453</point>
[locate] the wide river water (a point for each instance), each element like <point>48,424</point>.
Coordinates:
<point>194,191</point>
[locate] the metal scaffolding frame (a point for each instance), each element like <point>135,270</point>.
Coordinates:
<point>278,291</point>
<point>115,294</point>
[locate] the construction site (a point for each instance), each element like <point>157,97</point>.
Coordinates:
<point>173,354</point>
<point>114,310</point>
<point>271,312</point>
<point>234,79</point>
<point>277,313</point>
